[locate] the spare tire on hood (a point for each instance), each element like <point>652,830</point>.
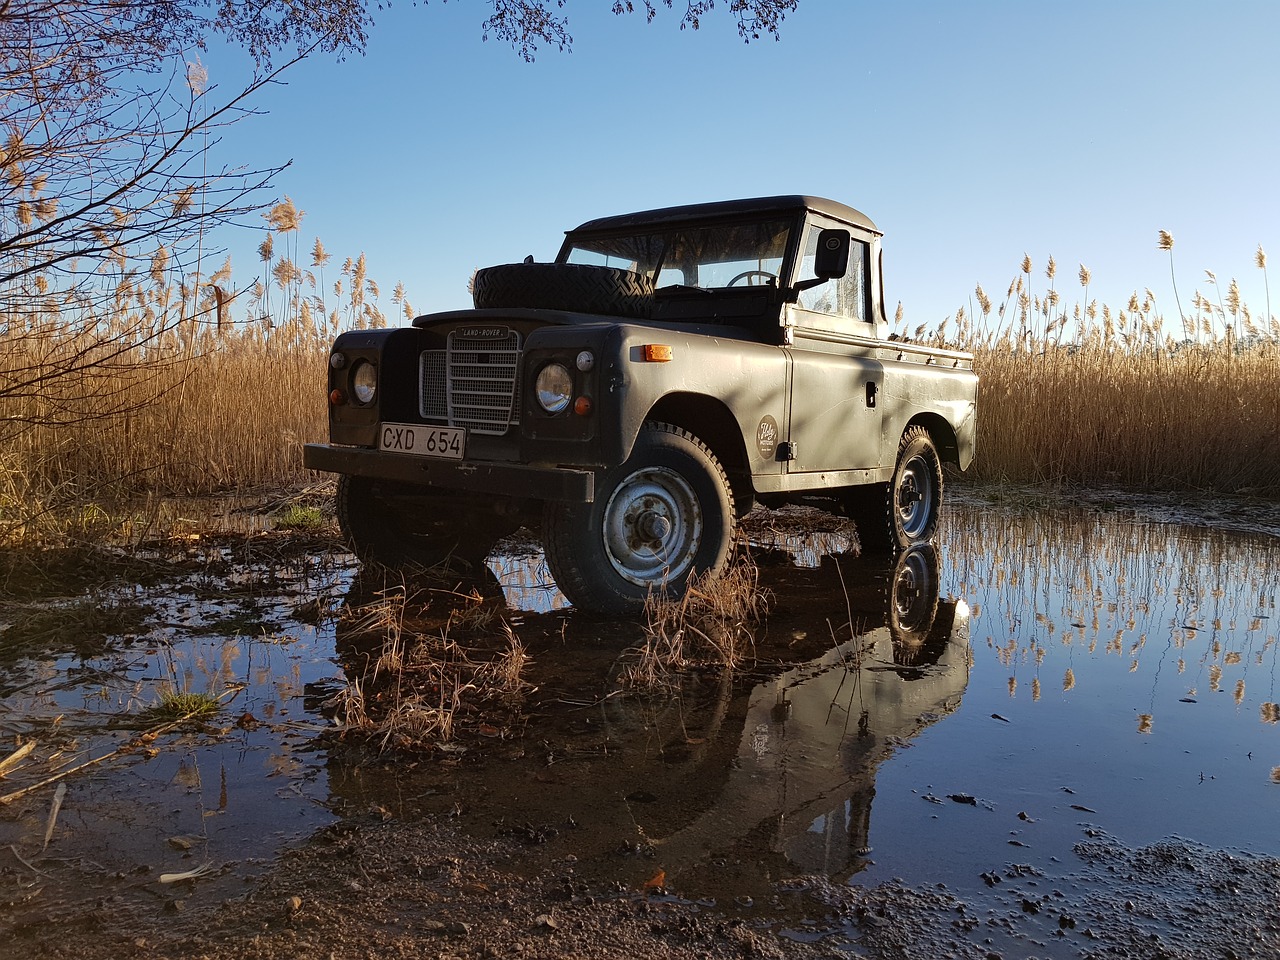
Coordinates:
<point>575,287</point>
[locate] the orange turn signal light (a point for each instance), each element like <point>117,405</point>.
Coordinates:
<point>582,406</point>
<point>336,397</point>
<point>657,352</point>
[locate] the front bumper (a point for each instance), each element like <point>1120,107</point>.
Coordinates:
<point>510,479</point>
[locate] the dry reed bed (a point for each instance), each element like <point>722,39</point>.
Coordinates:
<point>157,390</point>
<point>1198,417</point>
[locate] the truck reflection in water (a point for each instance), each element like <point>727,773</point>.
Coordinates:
<point>798,790</point>
<point>728,782</point>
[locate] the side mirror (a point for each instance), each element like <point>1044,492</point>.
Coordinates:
<point>832,258</point>
<point>830,261</point>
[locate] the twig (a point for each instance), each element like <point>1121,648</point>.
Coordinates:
<point>58,796</point>
<point>118,751</point>
<point>9,797</point>
<point>33,869</point>
<point>13,759</point>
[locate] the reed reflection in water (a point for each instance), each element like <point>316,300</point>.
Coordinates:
<point>1063,587</point>
<point>1124,676</point>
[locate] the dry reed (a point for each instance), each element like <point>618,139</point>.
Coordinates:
<point>156,389</point>
<point>711,623</point>
<point>1091,395</point>
<point>153,387</point>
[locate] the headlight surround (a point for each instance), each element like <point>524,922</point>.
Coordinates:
<point>364,381</point>
<point>554,387</point>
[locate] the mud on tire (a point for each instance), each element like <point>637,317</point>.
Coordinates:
<point>576,287</point>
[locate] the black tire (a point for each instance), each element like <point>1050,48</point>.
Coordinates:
<point>659,518</point>
<point>904,512</point>
<point>395,525</point>
<point>576,287</point>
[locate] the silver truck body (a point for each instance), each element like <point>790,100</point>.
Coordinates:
<point>668,368</point>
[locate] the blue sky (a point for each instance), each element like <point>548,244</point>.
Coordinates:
<point>972,133</point>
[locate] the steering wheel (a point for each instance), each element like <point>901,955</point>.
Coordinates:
<point>752,273</point>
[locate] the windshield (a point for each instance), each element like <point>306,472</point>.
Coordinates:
<point>725,255</point>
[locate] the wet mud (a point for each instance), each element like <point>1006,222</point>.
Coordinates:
<point>1054,735</point>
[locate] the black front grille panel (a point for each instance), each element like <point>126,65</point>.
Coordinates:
<point>473,383</point>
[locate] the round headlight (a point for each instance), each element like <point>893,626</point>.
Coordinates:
<point>554,388</point>
<point>364,381</point>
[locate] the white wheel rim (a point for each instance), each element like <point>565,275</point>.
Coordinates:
<point>652,527</point>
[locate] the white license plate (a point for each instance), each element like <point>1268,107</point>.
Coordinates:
<point>449,443</point>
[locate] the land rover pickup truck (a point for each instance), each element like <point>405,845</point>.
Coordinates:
<point>637,396</point>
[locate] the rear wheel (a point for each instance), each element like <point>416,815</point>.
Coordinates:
<point>904,512</point>
<point>395,524</point>
<point>657,519</point>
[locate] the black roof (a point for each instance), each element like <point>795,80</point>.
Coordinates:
<point>729,209</point>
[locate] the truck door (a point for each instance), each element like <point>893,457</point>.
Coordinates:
<point>836,377</point>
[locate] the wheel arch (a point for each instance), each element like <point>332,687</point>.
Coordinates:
<point>941,433</point>
<point>711,421</point>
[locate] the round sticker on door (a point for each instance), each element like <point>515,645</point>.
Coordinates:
<point>767,437</point>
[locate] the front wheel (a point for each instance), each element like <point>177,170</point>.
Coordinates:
<point>904,512</point>
<point>659,518</point>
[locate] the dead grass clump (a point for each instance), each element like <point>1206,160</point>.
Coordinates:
<point>413,690</point>
<point>710,624</point>
<point>503,674</point>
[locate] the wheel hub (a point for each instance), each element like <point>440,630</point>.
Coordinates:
<point>653,527</point>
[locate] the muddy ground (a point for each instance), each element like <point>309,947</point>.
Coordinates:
<point>425,877</point>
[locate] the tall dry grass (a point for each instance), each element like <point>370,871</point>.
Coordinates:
<point>193,385</point>
<point>1197,417</point>
<point>166,385</point>
<point>1087,394</point>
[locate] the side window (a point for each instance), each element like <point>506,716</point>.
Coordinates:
<point>843,297</point>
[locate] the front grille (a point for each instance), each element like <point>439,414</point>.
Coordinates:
<point>472,383</point>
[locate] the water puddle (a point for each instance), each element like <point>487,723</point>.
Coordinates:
<point>965,717</point>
